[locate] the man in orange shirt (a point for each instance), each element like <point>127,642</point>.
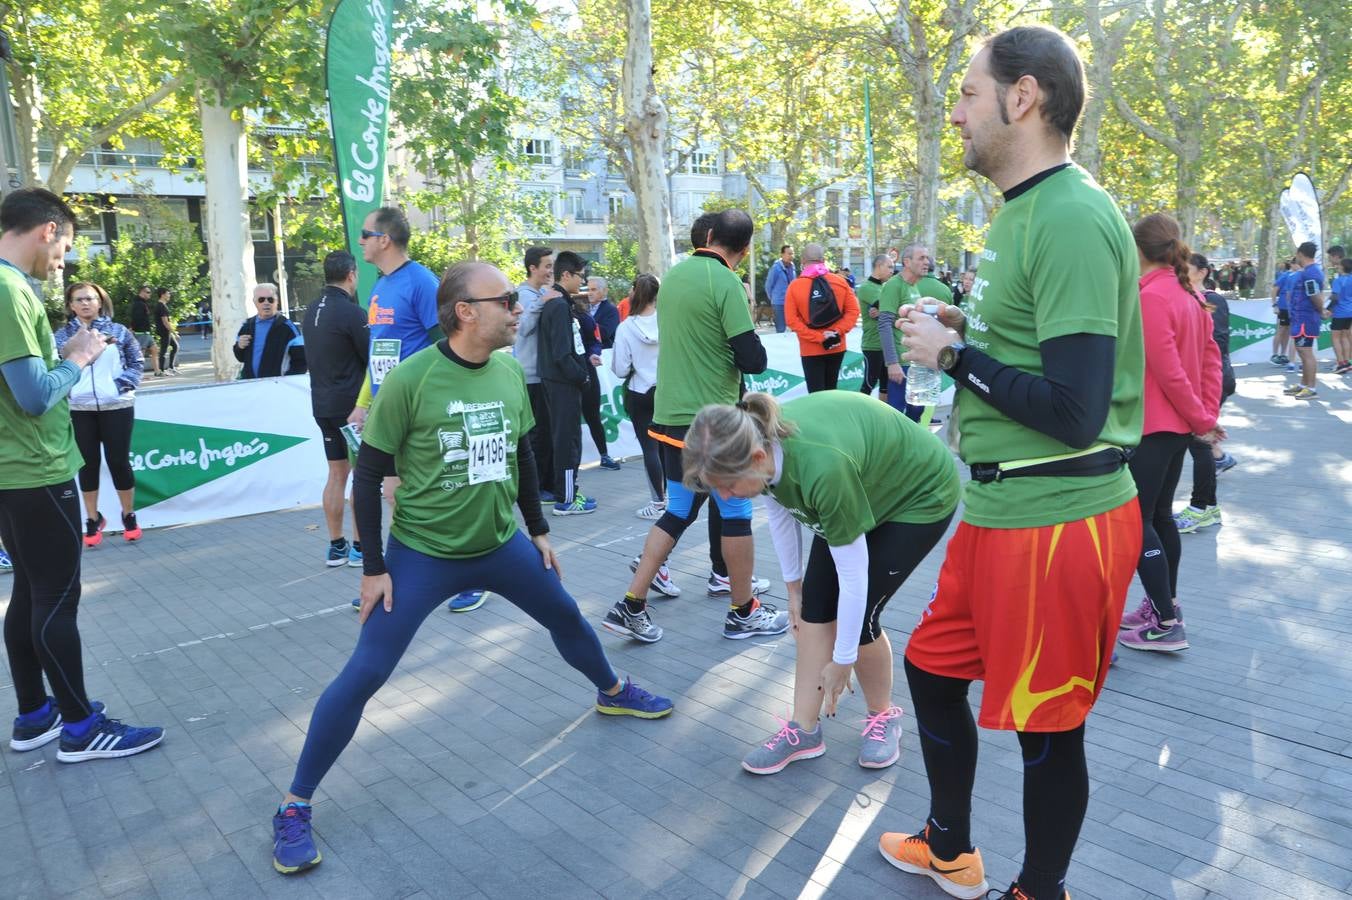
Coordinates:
<point>821,308</point>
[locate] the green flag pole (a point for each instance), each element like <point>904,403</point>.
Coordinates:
<point>868,152</point>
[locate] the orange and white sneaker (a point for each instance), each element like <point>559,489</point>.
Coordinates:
<point>964,877</point>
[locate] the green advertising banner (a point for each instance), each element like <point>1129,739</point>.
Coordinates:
<point>358,69</point>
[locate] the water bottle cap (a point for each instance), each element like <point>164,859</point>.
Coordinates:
<point>930,309</point>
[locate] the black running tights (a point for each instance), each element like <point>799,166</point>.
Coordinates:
<point>1055,782</point>
<point>1156,466</point>
<point>639,408</point>
<point>591,413</point>
<point>40,527</point>
<point>111,430</point>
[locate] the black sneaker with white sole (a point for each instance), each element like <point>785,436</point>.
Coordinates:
<point>721,585</point>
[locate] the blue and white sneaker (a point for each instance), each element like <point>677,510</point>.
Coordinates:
<point>356,603</point>
<point>633,700</point>
<point>293,847</point>
<point>337,555</point>
<point>466,601</point>
<point>608,463</point>
<point>106,739</point>
<point>579,507</point>
<point>354,558</point>
<point>40,727</point>
<point>6,564</point>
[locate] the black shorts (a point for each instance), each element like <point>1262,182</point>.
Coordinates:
<point>1304,341</point>
<point>335,445</point>
<point>894,550</point>
<point>1340,323</point>
<point>1283,317</point>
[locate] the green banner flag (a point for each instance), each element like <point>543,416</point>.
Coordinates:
<point>358,69</point>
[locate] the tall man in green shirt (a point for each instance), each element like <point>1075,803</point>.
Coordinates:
<point>708,341</point>
<point>39,506</point>
<point>1050,380</point>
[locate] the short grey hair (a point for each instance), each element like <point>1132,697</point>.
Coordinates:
<point>266,285</point>
<point>882,259</point>
<point>911,248</point>
<point>814,253</point>
<point>599,282</point>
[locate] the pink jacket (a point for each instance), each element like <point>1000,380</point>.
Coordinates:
<point>1182,361</point>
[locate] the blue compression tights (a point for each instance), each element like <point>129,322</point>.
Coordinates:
<point>421,584</point>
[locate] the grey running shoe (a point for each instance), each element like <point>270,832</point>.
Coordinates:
<point>764,619</point>
<point>619,620</point>
<point>882,739</point>
<point>787,745</point>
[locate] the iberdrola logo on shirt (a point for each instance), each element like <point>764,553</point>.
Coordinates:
<point>171,458</point>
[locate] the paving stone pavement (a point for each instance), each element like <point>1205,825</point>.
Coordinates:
<point>481,771</point>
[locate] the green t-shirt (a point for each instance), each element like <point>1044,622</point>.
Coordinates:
<point>1059,260</point>
<point>453,432</point>
<point>929,286</point>
<point>854,463</point>
<point>868,294</point>
<point>700,305</point>
<point>36,451</point>
<point>897,293</point>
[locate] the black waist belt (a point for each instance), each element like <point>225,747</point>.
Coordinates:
<point>1102,462</point>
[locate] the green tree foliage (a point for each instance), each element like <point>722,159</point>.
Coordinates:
<point>176,263</point>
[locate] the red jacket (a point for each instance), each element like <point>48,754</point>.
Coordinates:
<point>1182,361</point>
<point>796,314</point>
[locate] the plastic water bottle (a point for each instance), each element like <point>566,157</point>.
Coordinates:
<point>923,384</point>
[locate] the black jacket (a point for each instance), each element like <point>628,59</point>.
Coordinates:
<point>558,358</point>
<point>283,354</point>
<point>337,348</point>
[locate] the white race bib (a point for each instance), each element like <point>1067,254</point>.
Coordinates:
<point>384,357</point>
<point>487,436</point>
<point>577,339</point>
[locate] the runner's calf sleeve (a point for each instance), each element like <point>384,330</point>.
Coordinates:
<point>948,741</point>
<point>674,525</point>
<point>1055,797</point>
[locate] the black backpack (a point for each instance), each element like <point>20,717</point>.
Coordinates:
<point>822,309</point>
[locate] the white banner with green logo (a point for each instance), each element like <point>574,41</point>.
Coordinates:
<point>223,450</point>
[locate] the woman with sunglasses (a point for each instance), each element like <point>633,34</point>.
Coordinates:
<point>102,407</point>
<point>877,491</point>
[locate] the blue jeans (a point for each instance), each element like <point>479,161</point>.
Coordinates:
<point>780,326</point>
<point>421,583</point>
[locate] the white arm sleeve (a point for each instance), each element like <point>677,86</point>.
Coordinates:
<point>852,570</point>
<point>786,534</point>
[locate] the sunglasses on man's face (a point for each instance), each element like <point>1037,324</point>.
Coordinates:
<point>508,300</point>
<point>265,299</point>
<point>367,235</point>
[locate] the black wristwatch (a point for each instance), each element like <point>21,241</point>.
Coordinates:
<point>950,356</point>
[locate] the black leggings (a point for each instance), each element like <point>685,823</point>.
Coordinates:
<point>1055,781</point>
<point>639,408</point>
<point>542,436</point>
<point>110,428</point>
<point>591,413</point>
<point>40,527</point>
<point>894,550</point>
<point>168,350</point>
<point>1155,467</point>
<point>565,417</point>
<point>1203,472</point>
<point>822,372</point>
<point>875,372</point>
